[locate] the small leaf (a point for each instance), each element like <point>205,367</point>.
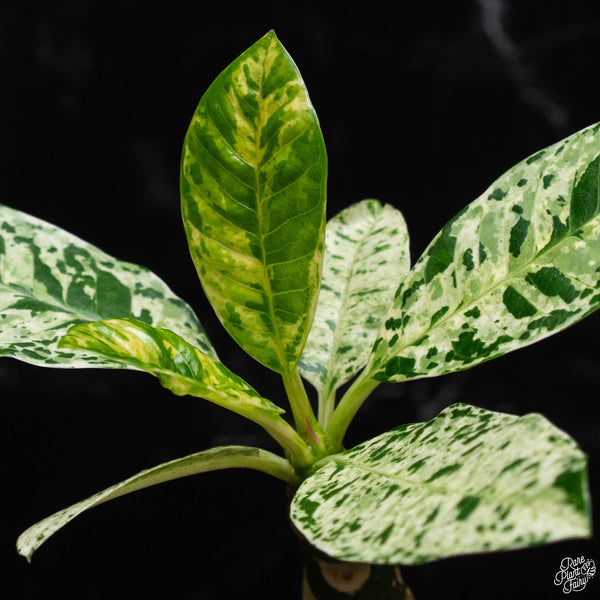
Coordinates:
<point>224,457</point>
<point>469,480</point>
<point>253,181</point>
<point>179,366</point>
<point>520,263</point>
<point>366,258</point>
<point>50,280</point>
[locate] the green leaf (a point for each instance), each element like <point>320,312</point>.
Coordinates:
<point>50,280</point>
<point>224,457</point>
<point>469,480</point>
<point>253,181</point>
<point>366,258</point>
<point>179,366</point>
<point>520,263</point>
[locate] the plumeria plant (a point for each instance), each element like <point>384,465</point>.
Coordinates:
<point>338,305</point>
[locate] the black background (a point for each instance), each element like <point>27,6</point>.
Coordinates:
<point>423,105</point>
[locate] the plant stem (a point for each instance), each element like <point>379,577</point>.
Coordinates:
<point>326,406</point>
<point>271,464</point>
<point>306,423</point>
<point>348,406</point>
<point>300,453</point>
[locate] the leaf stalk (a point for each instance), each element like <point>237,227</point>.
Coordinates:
<point>326,405</point>
<point>347,408</point>
<point>307,425</point>
<point>299,451</point>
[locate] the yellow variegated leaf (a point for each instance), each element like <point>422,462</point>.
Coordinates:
<point>253,180</point>
<point>180,367</point>
<point>183,369</point>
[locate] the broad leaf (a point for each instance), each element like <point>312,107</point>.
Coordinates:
<point>225,457</point>
<point>366,258</point>
<point>50,279</point>
<point>253,200</point>
<point>519,264</point>
<point>469,480</point>
<point>180,367</point>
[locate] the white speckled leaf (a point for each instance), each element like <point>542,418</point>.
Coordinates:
<point>366,258</point>
<point>180,367</point>
<point>517,265</point>
<point>50,280</point>
<point>469,480</point>
<point>224,457</point>
<point>253,180</point>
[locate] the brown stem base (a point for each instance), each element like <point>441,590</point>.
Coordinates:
<point>329,579</point>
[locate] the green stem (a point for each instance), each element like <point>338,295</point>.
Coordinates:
<point>299,451</point>
<point>326,406</point>
<point>271,464</point>
<point>306,423</point>
<point>348,406</point>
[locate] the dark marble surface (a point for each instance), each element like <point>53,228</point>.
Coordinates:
<point>422,105</point>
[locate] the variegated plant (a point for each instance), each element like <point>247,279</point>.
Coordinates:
<point>332,303</point>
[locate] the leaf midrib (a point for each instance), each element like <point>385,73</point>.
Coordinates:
<point>343,309</point>
<point>279,350</point>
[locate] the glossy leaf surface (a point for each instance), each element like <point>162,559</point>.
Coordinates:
<point>180,367</point>
<point>226,457</point>
<point>366,259</point>
<point>253,199</point>
<point>469,480</point>
<point>517,265</point>
<point>50,280</point>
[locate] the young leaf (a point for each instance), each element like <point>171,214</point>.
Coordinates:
<point>469,480</point>
<point>519,264</point>
<point>50,279</point>
<point>366,258</point>
<point>223,457</point>
<point>253,181</point>
<point>179,366</point>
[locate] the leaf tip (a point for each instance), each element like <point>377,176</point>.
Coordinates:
<point>270,37</point>
<point>24,549</point>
